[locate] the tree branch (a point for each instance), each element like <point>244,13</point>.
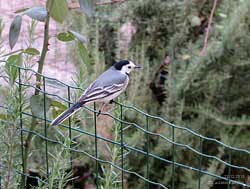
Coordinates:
<point>208,28</point>
<point>110,2</point>
<point>76,5</point>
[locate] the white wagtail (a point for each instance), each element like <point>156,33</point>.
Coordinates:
<point>104,89</point>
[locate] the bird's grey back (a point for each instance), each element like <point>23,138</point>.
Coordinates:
<point>106,79</point>
<point>110,77</point>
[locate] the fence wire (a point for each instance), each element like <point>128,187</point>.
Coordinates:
<point>123,145</point>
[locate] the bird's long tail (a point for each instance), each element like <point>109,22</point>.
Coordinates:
<point>67,113</point>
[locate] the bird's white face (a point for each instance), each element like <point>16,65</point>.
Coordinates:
<point>126,69</point>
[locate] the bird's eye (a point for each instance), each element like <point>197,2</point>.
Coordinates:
<point>129,67</point>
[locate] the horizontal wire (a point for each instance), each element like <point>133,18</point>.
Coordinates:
<point>145,131</point>
<point>183,128</point>
<point>137,150</point>
<point>93,157</point>
<point>131,148</point>
<point>161,136</point>
<point>129,107</point>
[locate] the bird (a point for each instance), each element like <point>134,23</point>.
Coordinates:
<point>104,89</point>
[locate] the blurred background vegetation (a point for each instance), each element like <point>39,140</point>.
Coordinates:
<point>207,93</point>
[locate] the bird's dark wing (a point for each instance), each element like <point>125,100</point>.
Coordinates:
<point>108,83</point>
<point>97,93</point>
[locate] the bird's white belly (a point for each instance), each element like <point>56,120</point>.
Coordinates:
<point>111,97</point>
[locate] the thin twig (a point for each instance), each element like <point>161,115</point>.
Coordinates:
<point>76,6</point>
<point>13,52</point>
<point>110,2</point>
<point>208,28</point>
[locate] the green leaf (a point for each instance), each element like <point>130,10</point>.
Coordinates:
<point>4,117</point>
<point>65,37</point>
<point>78,36</point>
<point>37,13</point>
<point>10,66</point>
<point>84,55</point>
<point>58,9</point>
<point>14,32</point>
<point>59,105</point>
<point>57,112</point>
<point>222,15</point>
<point>37,105</point>
<point>57,109</point>
<point>31,51</point>
<point>86,7</point>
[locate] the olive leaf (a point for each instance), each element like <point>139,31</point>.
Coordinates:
<point>58,105</point>
<point>38,105</point>
<point>31,51</point>
<point>84,55</point>
<point>14,32</point>
<point>10,66</point>
<point>86,6</point>
<point>65,36</point>
<point>78,36</point>
<point>37,13</point>
<point>58,9</point>
<point>4,117</point>
<point>58,108</point>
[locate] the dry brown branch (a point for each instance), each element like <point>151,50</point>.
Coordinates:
<point>208,28</point>
<point>110,2</point>
<point>76,5</point>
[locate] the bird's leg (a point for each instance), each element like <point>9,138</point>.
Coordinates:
<point>101,109</point>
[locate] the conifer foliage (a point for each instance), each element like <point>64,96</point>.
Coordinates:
<point>209,93</point>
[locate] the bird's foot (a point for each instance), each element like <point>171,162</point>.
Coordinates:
<point>111,101</point>
<point>99,113</point>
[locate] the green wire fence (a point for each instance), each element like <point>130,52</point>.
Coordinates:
<point>123,145</point>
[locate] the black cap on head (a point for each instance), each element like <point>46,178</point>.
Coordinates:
<point>120,64</point>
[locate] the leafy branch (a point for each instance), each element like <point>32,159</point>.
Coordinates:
<point>38,83</point>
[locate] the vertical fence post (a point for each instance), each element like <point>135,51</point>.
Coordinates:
<point>229,169</point>
<point>96,150</point>
<point>21,124</point>
<point>122,160</point>
<point>200,162</point>
<point>70,137</point>
<point>45,127</point>
<point>147,143</point>
<point>173,158</point>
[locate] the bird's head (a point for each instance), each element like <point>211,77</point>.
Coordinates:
<point>125,66</point>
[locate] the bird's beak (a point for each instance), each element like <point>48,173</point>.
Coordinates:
<point>137,66</point>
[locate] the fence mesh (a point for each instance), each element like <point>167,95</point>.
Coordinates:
<point>93,150</point>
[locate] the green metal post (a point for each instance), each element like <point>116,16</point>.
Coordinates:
<point>122,158</point>
<point>45,127</point>
<point>70,136</point>
<point>96,150</point>
<point>200,163</point>
<point>173,157</point>
<point>229,169</point>
<point>147,143</point>
<point>21,124</point>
